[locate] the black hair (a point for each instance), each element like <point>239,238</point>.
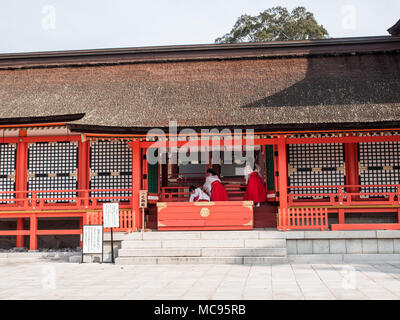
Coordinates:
<point>211,171</point>
<point>191,188</point>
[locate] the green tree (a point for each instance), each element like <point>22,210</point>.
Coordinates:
<point>275,24</point>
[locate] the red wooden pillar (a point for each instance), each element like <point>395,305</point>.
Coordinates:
<point>398,215</point>
<point>145,170</point>
<point>351,154</point>
<point>83,176</point>
<point>21,183</point>
<point>283,173</point>
<point>33,232</point>
<point>20,227</point>
<point>341,216</point>
<point>276,180</point>
<point>136,182</point>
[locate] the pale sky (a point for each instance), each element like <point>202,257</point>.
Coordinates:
<point>47,25</point>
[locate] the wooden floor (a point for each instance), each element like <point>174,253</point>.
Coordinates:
<point>265,216</point>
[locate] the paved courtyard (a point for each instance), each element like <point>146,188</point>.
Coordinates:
<point>59,280</point>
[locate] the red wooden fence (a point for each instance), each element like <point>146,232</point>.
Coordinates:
<point>302,218</point>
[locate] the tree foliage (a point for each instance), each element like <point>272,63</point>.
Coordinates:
<point>275,24</point>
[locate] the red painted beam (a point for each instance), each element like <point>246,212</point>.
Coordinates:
<point>14,233</point>
<point>58,232</point>
<point>42,139</point>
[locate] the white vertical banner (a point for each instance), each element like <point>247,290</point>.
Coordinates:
<point>111,215</point>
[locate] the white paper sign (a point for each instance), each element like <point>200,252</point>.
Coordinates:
<point>143,198</point>
<point>92,239</point>
<point>111,215</point>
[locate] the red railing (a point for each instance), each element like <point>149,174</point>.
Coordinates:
<point>40,200</point>
<point>127,220</point>
<point>34,205</point>
<point>302,218</point>
<point>178,193</point>
<point>344,195</point>
<point>343,199</point>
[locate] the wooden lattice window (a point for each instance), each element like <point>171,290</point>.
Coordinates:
<point>8,153</point>
<point>320,164</point>
<point>110,168</point>
<point>53,166</point>
<point>379,163</point>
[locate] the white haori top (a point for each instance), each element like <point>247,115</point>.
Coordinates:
<point>199,194</point>
<point>209,180</point>
<point>248,170</point>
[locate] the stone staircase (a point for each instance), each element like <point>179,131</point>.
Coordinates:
<point>216,247</point>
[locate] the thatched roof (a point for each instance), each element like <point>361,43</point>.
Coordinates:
<point>360,86</point>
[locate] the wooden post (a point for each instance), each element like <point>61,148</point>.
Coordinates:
<point>83,165</point>
<point>341,216</point>
<point>398,215</point>
<point>136,182</point>
<point>20,227</point>
<point>276,180</point>
<point>33,232</point>
<point>283,173</point>
<point>351,161</point>
<point>145,170</point>
<point>83,175</point>
<point>21,184</point>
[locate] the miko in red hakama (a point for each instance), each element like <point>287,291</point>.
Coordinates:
<point>215,189</point>
<point>255,190</point>
<point>218,192</point>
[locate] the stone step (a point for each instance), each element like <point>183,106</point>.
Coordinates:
<point>200,260</point>
<point>243,252</point>
<point>159,252</point>
<point>39,256</point>
<point>265,243</point>
<point>197,235</point>
<point>126,244</point>
<point>204,252</point>
<point>265,260</point>
<point>203,243</point>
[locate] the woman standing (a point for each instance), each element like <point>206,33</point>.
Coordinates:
<point>255,189</point>
<point>214,187</point>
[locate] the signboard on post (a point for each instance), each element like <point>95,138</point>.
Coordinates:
<point>143,199</point>
<point>111,220</point>
<point>143,204</point>
<point>92,239</point>
<point>111,215</point>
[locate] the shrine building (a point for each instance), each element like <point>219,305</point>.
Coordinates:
<point>322,116</point>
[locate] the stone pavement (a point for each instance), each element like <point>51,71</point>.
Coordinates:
<point>60,280</point>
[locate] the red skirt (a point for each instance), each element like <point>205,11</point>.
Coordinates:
<point>255,189</point>
<point>218,192</point>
